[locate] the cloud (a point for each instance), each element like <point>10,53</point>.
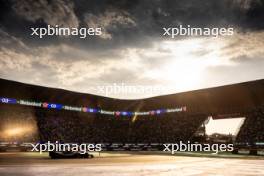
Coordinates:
<point>244,45</point>
<point>108,21</point>
<point>127,23</point>
<point>12,42</point>
<point>57,12</point>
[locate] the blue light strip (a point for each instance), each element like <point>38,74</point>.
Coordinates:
<point>47,105</point>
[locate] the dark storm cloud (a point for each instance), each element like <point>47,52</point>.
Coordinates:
<point>126,22</point>
<point>57,12</point>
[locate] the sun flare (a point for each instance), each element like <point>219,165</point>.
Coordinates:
<point>187,61</point>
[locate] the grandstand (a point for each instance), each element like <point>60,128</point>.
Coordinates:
<point>231,101</point>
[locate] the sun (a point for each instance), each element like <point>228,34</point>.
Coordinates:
<point>184,70</point>
<point>186,62</point>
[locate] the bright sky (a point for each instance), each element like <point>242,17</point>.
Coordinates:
<point>133,49</point>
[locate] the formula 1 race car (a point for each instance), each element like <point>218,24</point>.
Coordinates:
<point>69,154</point>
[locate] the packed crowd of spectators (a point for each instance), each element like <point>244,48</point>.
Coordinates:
<point>72,127</point>
<point>68,126</point>
<point>252,130</point>
<point>37,124</point>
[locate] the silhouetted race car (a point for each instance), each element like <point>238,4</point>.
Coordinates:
<point>69,154</point>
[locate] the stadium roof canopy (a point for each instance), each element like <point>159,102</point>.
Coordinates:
<point>229,99</point>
